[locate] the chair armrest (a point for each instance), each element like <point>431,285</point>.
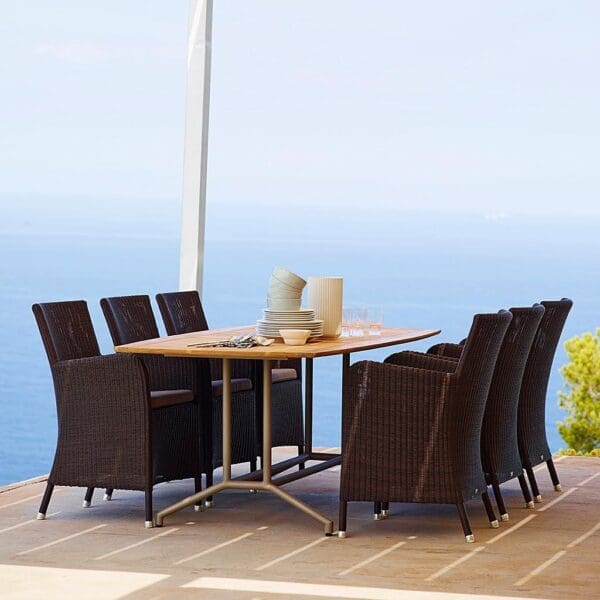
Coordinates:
<point>117,382</point>
<point>395,419</point>
<point>420,360</point>
<point>384,387</point>
<point>446,349</point>
<point>104,422</point>
<point>174,373</point>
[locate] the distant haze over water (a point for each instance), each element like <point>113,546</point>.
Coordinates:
<point>426,269</point>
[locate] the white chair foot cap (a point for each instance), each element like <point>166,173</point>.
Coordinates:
<point>253,491</point>
<point>504,517</point>
<point>385,513</point>
<point>538,498</point>
<point>530,504</point>
<point>148,524</point>
<point>494,524</point>
<point>558,487</point>
<point>86,504</point>
<point>198,507</point>
<point>41,516</point>
<point>209,503</point>
<point>469,539</point>
<point>377,516</point>
<point>107,497</point>
<point>341,534</point>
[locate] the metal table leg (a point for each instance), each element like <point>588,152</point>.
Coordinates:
<point>308,406</point>
<point>267,483</point>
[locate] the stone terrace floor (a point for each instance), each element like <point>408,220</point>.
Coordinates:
<point>253,546</point>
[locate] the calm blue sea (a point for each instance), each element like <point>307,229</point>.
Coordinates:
<point>425,269</point>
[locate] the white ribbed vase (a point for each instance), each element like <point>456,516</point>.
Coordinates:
<point>325,298</point>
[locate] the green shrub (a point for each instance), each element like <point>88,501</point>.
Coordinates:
<point>581,428</point>
<point>571,452</point>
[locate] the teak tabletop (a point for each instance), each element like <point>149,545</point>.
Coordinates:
<point>179,345</point>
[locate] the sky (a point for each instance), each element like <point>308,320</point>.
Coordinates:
<point>489,108</point>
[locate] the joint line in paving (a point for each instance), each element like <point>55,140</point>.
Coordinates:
<point>371,559</point>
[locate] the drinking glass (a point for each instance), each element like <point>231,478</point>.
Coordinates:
<point>375,320</point>
<point>347,320</point>
<point>360,323</point>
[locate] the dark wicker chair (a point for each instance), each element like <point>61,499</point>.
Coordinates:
<point>182,312</point>
<point>411,429</point>
<point>130,319</point>
<point>531,414</point>
<point>112,432</point>
<point>531,421</point>
<point>499,447</point>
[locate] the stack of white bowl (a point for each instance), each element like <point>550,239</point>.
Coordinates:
<point>283,312</point>
<point>285,290</point>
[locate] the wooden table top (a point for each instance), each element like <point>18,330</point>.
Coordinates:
<point>179,345</point>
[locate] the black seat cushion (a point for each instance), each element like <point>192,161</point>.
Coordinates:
<point>279,375</point>
<point>237,385</point>
<point>163,398</point>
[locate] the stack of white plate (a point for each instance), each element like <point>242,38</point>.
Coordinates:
<point>273,320</point>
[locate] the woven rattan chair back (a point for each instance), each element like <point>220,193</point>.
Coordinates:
<point>475,369</point>
<point>66,329</point>
<point>182,312</point>
<point>499,448</point>
<point>471,384</point>
<point>129,318</point>
<point>531,420</point>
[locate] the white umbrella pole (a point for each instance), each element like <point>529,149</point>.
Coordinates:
<point>191,256</point>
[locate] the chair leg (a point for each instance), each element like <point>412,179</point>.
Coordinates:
<point>489,509</point>
<point>526,493</point>
<point>197,489</point>
<point>108,492</point>
<point>209,503</point>
<point>301,451</point>
<point>342,518</point>
<point>377,511</point>
<point>499,499</point>
<point>533,483</point>
<point>87,501</point>
<point>554,475</point>
<point>149,516</point>
<point>253,468</point>
<point>464,519</point>
<point>45,501</point>
<point>385,509</point>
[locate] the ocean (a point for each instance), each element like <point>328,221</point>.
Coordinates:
<point>425,269</point>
